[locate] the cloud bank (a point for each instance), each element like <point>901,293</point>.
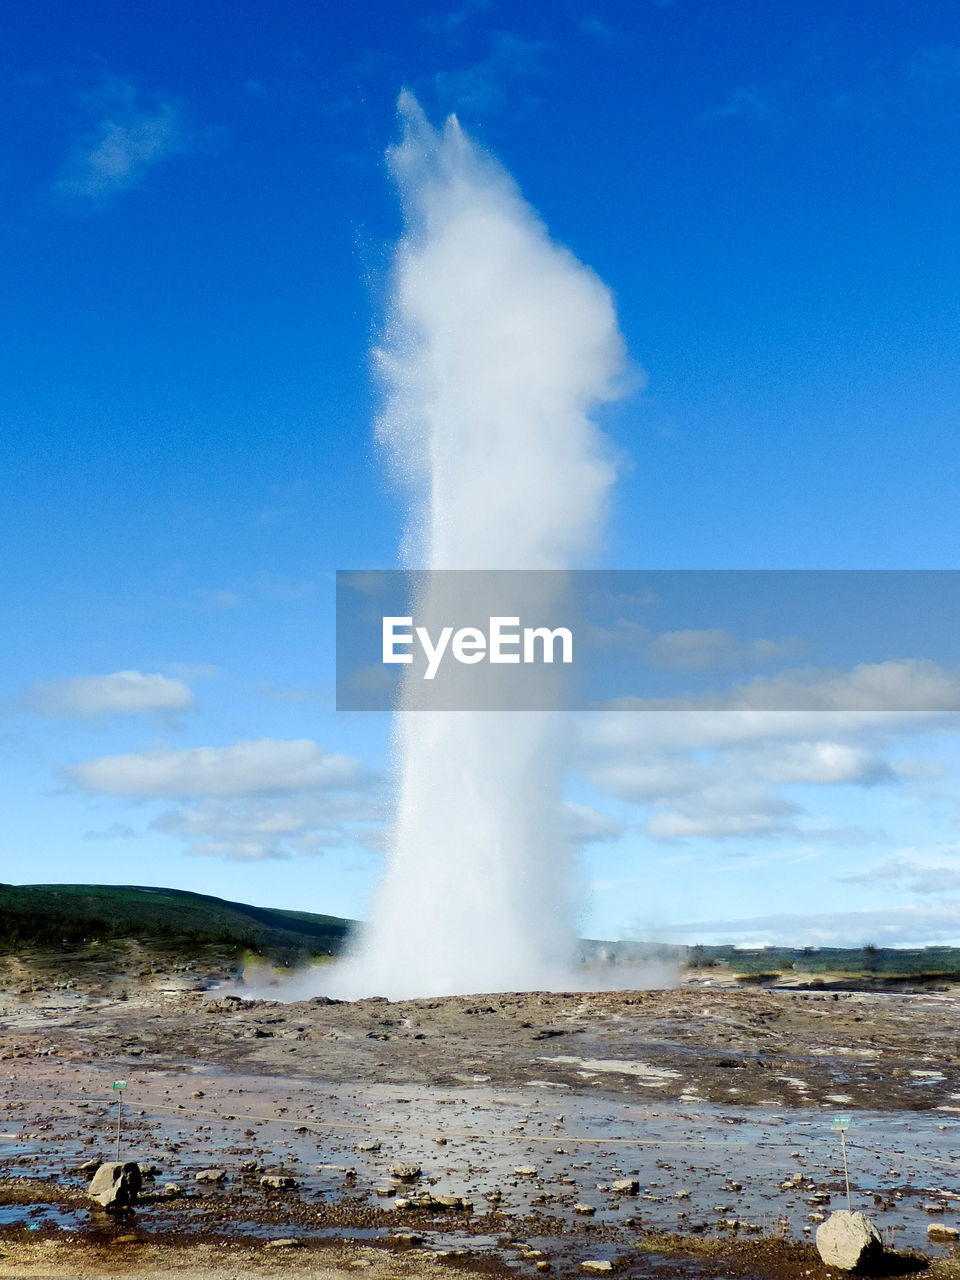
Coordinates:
<point>119,693</point>
<point>246,768</point>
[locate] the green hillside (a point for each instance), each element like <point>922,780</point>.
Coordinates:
<point>74,914</point>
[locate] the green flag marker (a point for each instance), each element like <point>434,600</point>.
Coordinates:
<point>119,1084</point>
<point>841,1122</point>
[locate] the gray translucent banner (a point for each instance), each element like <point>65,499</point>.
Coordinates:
<point>586,640</point>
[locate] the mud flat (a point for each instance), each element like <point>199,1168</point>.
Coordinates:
<point>670,1132</point>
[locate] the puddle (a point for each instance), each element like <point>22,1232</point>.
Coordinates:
<point>33,1217</point>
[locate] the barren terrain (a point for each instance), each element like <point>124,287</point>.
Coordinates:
<point>484,1132</point>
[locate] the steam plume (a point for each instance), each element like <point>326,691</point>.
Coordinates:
<point>498,344</point>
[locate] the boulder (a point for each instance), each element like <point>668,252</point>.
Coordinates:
<point>277,1182</point>
<point>407,1172</point>
<point>627,1187</point>
<point>116,1185</point>
<point>208,1176</point>
<point>849,1241</point>
<point>596,1267</point>
<point>943,1234</point>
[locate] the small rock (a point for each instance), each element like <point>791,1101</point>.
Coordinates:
<point>587,1209</point>
<point>408,1172</point>
<point>210,1176</point>
<point>277,1182</point>
<point>368,1146</point>
<point>596,1267</point>
<point>627,1187</point>
<point>286,1243</point>
<point>849,1241</point>
<point>525,1171</point>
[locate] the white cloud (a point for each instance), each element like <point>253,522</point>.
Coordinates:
<point>921,871</point>
<point>824,764</point>
<point>585,825</point>
<point>719,771</point>
<point>260,828</point>
<point>126,142</point>
<point>900,687</point>
<point>722,817</point>
<point>919,924</point>
<point>246,768</point>
<point>693,649</point>
<point>120,693</point>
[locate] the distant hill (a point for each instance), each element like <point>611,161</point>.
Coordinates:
<point>871,967</point>
<point>74,914</point>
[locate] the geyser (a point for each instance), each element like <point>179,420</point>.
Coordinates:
<point>498,344</point>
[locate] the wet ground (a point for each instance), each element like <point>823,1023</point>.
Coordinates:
<point>523,1111</point>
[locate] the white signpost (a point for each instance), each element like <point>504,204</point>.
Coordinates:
<point>118,1087</point>
<point>842,1124</point>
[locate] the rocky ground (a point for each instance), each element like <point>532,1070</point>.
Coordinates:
<point>526,1109</point>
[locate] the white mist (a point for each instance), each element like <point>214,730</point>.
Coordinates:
<point>499,342</point>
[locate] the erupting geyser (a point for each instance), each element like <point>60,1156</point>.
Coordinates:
<point>498,344</point>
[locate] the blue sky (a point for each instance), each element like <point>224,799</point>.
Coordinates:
<point>198,221</point>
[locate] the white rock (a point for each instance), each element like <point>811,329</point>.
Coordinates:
<point>849,1241</point>
<point>944,1234</point>
<point>115,1184</point>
